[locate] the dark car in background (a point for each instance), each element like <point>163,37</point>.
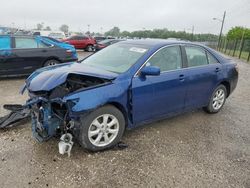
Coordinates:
<point>21,55</point>
<point>81,42</point>
<point>103,44</point>
<point>99,38</point>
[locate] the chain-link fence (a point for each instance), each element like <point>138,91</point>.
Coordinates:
<point>237,48</point>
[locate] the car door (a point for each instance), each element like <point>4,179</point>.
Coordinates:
<point>5,53</point>
<point>157,96</point>
<point>79,41</point>
<point>202,76</point>
<point>28,55</point>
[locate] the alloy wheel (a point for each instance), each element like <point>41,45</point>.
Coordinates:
<point>103,130</point>
<point>218,99</point>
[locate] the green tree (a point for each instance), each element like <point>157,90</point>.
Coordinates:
<point>115,32</point>
<point>238,32</point>
<point>39,26</point>
<point>125,34</point>
<point>64,28</point>
<point>47,28</point>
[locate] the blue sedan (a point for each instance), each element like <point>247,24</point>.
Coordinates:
<point>126,85</point>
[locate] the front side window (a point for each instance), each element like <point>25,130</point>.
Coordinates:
<point>167,59</point>
<point>116,58</point>
<point>26,43</point>
<point>42,45</point>
<point>196,56</point>
<point>5,42</point>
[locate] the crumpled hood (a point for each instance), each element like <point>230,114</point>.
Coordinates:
<point>46,79</point>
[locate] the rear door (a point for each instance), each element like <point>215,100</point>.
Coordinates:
<point>202,75</point>
<point>28,55</point>
<point>79,42</point>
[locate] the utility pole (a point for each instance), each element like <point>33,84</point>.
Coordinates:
<point>88,27</point>
<point>192,33</point>
<point>242,36</point>
<point>222,24</point>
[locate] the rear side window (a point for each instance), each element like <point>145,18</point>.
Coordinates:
<point>5,42</point>
<point>167,59</point>
<point>26,43</point>
<point>196,56</point>
<point>211,59</point>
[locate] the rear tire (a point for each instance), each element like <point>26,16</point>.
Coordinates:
<point>217,100</point>
<point>51,62</point>
<point>102,128</point>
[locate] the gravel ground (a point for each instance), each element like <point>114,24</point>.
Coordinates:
<point>191,150</point>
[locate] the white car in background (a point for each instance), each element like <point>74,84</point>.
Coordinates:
<point>52,34</point>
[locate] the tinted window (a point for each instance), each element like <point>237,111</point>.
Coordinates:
<point>52,39</point>
<point>81,38</point>
<point>196,56</point>
<point>211,59</point>
<point>74,38</point>
<point>26,43</point>
<point>5,42</point>
<point>42,45</point>
<point>167,59</point>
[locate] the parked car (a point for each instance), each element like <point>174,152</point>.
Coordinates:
<point>81,42</point>
<point>57,35</point>
<point>124,86</point>
<point>105,43</point>
<point>53,34</point>
<point>99,38</point>
<point>21,55</point>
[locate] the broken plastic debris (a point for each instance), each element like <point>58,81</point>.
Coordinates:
<point>66,143</point>
<point>17,114</point>
<point>121,145</point>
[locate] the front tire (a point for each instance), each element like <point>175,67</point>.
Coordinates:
<point>102,128</point>
<point>217,100</point>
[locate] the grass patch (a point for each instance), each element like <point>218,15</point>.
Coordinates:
<point>244,54</point>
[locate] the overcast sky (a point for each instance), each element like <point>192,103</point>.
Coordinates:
<point>126,14</point>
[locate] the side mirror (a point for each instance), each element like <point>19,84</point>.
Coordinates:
<point>150,70</point>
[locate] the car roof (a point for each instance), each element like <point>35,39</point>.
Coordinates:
<point>13,35</point>
<point>150,43</point>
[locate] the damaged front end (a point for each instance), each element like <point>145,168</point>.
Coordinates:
<point>51,112</point>
<point>47,121</point>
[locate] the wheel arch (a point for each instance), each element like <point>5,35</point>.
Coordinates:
<point>227,85</point>
<point>51,58</point>
<point>120,107</point>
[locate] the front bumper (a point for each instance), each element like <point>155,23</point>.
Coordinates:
<point>45,123</point>
<point>51,118</point>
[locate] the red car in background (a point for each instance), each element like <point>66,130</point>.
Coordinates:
<point>81,42</point>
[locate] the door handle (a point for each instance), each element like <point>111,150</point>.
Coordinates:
<point>217,69</point>
<point>44,50</point>
<point>181,77</point>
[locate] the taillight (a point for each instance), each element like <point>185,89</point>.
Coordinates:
<point>69,52</point>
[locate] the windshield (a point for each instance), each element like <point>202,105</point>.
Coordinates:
<point>116,58</point>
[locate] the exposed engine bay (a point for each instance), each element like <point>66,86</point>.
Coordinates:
<point>74,82</point>
<point>51,116</point>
